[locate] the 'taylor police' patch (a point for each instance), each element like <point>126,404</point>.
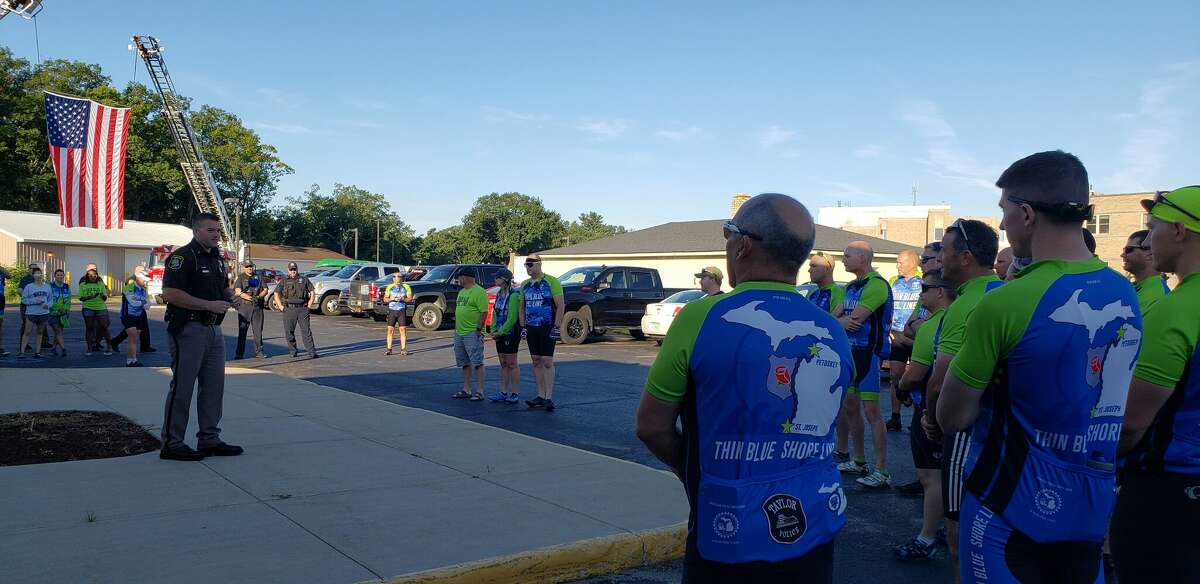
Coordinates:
<point>175,262</point>
<point>785,518</point>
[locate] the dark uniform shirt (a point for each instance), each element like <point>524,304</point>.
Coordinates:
<point>250,286</point>
<point>295,291</point>
<point>199,273</point>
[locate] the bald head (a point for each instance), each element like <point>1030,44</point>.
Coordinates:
<point>907,262</point>
<point>784,228</point>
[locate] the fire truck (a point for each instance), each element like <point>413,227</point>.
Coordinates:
<point>157,262</point>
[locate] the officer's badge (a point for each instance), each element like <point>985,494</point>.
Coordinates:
<point>175,262</point>
<point>785,518</point>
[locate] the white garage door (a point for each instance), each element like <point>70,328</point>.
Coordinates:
<point>79,257</point>
<point>133,257</point>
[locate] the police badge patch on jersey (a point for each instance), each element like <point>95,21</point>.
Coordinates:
<point>175,262</point>
<point>785,518</point>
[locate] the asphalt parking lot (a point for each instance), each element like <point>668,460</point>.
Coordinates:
<point>599,384</point>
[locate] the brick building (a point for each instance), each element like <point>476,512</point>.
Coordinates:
<point>914,225</point>
<point>1117,215</point>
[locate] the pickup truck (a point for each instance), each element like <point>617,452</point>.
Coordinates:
<point>435,293</point>
<point>602,297</point>
<point>332,292</point>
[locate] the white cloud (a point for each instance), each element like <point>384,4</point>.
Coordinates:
<point>606,129</point>
<point>1152,130</point>
<point>774,135</point>
<point>279,99</point>
<point>680,135</point>
<point>944,156</point>
<point>868,151</point>
<point>501,115</point>
<point>284,128</point>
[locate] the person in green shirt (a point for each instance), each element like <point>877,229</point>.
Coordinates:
<point>866,314</point>
<point>1149,283</point>
<point>828,294</point>
<point>969,249</point>
<point>1158,507</point>
<point>505,315</point>
<point>469,310</point>
<point>93,293</point>
<point>936,296</point>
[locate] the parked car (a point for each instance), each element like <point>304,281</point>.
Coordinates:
<point>332,292</point>
<point>379,306</point>
<point>601,297</point>
<point>416,273</point>
<point>435,293</point>
<point>659,316</point>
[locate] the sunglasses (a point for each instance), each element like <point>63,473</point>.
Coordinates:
<point>926,258</point>
<point>958,223</point>
<point>927,287</point>
<point>532,262</point>
<point>1161,198</point>
<point>1131,248</point>
<point>729,228</point>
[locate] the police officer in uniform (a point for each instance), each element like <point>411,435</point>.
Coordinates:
<point>293,295</point>
<point>197,294</point>
<point>250,294</point>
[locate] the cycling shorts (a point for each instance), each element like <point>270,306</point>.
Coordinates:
<point>866,375</point>
<point>1153,532</point>
<point>926,453</point>
<point>954,459</point>
<point>990,551</point>
<point>397,318</point>
<point>509,344</point>
<point>537,338</point>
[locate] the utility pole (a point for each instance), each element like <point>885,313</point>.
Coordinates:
<point>377,224</point>
<point>355,230</point>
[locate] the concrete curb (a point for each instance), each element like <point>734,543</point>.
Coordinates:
<point>563,563</point>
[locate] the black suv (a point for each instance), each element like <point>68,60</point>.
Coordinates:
<point>435,293</point>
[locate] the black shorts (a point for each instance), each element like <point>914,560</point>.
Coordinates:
<point>510,343</point>
<point>1153,531</point>
<point>37,320</point>
<point>954,461</point>
<point>397,318</point>
<point>926,454</point>
<point>539,341</point>
<point>130,321</point>
<point>901,354</point>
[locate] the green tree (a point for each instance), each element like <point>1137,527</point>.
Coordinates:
<point>589,226</point>
<point>319,220</point>
<point>242,166</point>
<point>500,224</point>
<point>445,246</point>
<point>155,190</point>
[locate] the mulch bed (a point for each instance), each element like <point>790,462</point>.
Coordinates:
<point>57,436</point>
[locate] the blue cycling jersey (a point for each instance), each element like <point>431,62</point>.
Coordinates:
<point>905,294</point>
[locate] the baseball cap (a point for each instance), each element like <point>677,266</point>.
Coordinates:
<point>505,273</point>
<point>293,266</point>
<point>1181,205</point>
<point>713,271</point>
<point>248,264</point>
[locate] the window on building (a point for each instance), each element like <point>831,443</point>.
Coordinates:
<point>1098,224</point>
<point>1145,220</point>
<point>938,232</point>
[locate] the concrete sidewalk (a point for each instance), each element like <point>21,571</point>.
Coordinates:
<point>334,487</point>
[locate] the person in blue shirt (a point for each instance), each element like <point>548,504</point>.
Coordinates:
<point>906,290</point>
<point>398,296</point>
<point>1041,381</point>
<point>757,376</point>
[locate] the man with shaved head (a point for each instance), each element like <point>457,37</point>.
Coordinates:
<point>828,294</point>
<point>757,376</point>
<point>1004,260</point>
<point>866,315</point>
<point>906,290</point>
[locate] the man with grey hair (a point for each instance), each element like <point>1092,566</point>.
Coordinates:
<point>758,365</point>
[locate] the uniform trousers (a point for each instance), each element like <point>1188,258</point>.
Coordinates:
<point>293,315</point>
<point>197,357</point>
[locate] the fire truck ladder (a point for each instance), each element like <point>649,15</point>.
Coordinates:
<point>195,169</point>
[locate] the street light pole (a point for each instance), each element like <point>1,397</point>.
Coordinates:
<point>237,225</point>
<point>355,230</point>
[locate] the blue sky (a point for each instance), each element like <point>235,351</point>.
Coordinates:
<point>650,112</point>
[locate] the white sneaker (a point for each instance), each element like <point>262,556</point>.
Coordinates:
<point>854,467</point>
<point>876,480</point>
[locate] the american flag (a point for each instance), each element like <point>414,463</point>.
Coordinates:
<point>87,145</point>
